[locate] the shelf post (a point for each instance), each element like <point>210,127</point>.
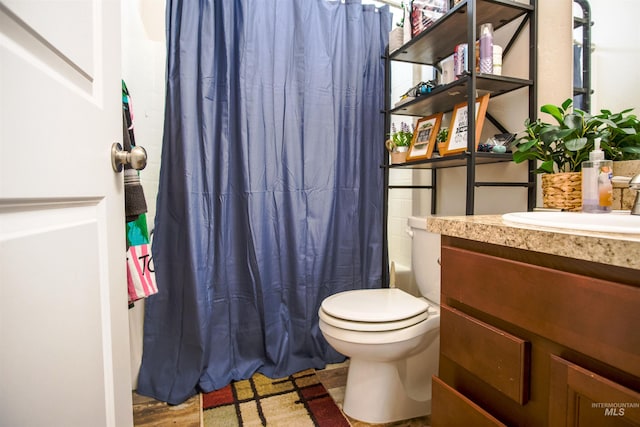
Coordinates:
<point>385,171</point>
<point>434,185</point>
<point>533,97</point>
<point>471,107</point>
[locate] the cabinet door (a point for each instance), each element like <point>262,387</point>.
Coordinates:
<point>491,354</point>
<point>452,409</point>
<point>578,397</point>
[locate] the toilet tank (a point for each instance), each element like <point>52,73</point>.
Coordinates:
<point>425,258</point>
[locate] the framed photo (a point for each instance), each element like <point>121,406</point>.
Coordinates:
<point>457,141</point>
<point>424,137</point>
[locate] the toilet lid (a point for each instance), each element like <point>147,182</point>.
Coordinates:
<point>353,325</point>
<point>388,305</point>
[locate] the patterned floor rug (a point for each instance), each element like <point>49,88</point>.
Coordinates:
<point>299,400</point>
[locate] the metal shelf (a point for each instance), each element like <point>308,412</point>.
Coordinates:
<point>444,98</point>
<point>430,47</point>
<point>461,25</point>
<point>452,161</point>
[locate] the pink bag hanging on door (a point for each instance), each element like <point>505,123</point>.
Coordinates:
<point>141,280</point>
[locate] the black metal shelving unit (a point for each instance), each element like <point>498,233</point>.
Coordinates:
<point>461,24</point>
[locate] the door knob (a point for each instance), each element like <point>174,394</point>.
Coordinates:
<point>137,158</point>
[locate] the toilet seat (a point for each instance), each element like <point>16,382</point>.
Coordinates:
<point>373,310</point>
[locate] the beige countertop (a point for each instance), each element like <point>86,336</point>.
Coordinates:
<point>622,250</point>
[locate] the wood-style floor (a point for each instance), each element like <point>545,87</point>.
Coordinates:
<point>149,412</point>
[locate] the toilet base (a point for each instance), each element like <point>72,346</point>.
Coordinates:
<point>383,392</point>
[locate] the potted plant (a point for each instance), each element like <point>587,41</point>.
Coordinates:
<point>441,139</point>
<point>621,135</point>
<point>560,148</point>
<point>621,143</point>
<point>398,145</point>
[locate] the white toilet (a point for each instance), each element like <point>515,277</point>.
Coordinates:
<point>391,337</point>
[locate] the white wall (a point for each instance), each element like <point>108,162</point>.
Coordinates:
<point>402,202</point>
<point>143,69</point>
<point>616,58</point>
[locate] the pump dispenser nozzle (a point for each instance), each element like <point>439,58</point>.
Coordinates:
<point>597,153</point>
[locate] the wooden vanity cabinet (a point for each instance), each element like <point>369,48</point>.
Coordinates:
<point>529,339</point>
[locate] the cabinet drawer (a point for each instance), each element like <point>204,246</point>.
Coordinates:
<point>595,317</point>
<point>452,409</point>
<point>579,397</point>
<point>496,357</point>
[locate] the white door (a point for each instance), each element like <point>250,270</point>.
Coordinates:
<point>64,348</point>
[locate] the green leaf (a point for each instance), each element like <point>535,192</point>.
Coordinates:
<point>526,146</point>
<point>521,156</point>
<point>555,134</point>
<point>563,133</point>
<point>607,122</point>
<point>567,103</point>
<point>573,121</point>
<point>555,112</point>
<point>547,166</point>
<point>575,144</point>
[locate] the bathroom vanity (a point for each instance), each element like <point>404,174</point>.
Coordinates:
<point>539,326</point>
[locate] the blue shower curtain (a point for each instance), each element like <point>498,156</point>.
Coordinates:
<point>271,191</point>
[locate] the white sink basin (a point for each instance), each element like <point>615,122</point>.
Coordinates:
<point>615,222</point>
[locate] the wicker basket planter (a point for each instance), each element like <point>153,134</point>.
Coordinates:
<point>562,191</point>
<point>398,157</point>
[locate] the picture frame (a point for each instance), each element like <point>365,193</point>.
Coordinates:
<point>457,140</point>
<point>424,137</point>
